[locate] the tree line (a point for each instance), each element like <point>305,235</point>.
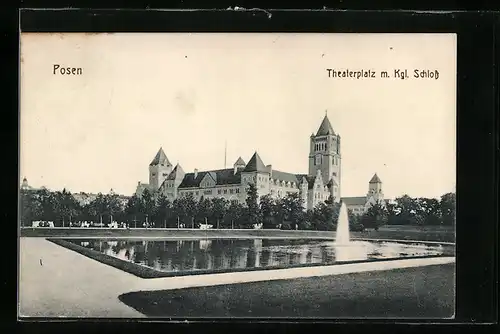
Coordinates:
<point>186,211</point>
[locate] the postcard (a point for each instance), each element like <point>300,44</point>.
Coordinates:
<point>242,175</point>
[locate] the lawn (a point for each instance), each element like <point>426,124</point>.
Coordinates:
<point>416,234</point>
<point>421,292</point>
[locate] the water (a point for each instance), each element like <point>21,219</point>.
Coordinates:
<point>343,234</point>
<point>230,254</point>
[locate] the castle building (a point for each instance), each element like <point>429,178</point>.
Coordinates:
<point>82,198</point>
<point>322,180</point>
<point>360,205</point>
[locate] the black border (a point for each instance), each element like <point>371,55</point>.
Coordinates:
<point>477,186</point>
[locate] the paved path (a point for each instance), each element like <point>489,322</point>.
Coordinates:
<point>69,284</point>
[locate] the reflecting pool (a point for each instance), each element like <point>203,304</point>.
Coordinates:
<point>227,254</point>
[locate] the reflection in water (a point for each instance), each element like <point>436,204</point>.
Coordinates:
<point>220,254</point>
<point>354,251</point>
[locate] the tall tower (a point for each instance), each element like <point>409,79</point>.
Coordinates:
<point>375,188</point>
<point>324,155</point>
<point>257,173</point>
<point>159,169</point>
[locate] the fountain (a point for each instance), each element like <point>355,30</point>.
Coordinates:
<point>343,235</point>
<point>345,249</point>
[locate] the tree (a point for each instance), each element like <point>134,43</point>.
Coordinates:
<point>307,220</point>
<point>355,221</point>
<point>30,207</point>
<point>279,211</point>
<point>330,200</point>
<point>325,216</point>
<point>235,213</point>
<point>219,210</point>
<point>448,209</point>
<point>47,205</point>
<point>375,216</point>
<point>99,207</point>
<point>163,211</point>
<point>293,208</point>
<point>178,211</point>
<point>148,204</point>
<point>204,210</point>
<point>253,214</point>
<point>189,209</point>
<point>408,208</point>
<point>134,210</point>
<point>267,204</point>
<point>113,208</point>
<point>392,214</point>
<point>430,211</point>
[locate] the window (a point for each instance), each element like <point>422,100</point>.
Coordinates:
<point>208,192</point>
<point>318,160</point>
<point>237,190</point>
<point>165,174</point>
<point>154,174</point>
<point>225,191</point>
<point>231,191</point>
<point>219,191</point>
<point>197,192</point>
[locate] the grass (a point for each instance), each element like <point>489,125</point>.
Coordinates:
<point>416,234</point>
<point>422,292</point>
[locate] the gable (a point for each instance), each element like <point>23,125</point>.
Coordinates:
<point>208,181</point>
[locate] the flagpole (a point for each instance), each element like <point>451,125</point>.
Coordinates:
<point>225,154</point>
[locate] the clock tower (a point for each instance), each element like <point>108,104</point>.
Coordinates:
<point>324,155</point>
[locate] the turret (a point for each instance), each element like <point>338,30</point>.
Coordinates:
<point>239,165</point>
<point>324,154</point>
<point>375,188</point>
<point>159,169</point>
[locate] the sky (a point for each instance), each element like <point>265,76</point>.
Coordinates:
<point>192,93</point>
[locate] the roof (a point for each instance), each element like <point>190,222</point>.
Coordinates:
<point>300,177</point>
<point>332,182</point>
<point>284,176</point>
<point>240,162</point>
<point>325,128</point>
<point>353,200</point>
<point>256,165</point>
<point>221,177</point>
<point>375,179</point>
<point>160,158</point>
<point>177,171</point>
<point>310,181</point>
